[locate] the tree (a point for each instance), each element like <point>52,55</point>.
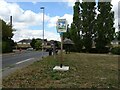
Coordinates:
<point>33,43</point>
<point>75,29</point>
<point>6,31</point>
<point>38,45</point>
<point>105,21</point>
<point>7,42</point>
<point>88,22</point>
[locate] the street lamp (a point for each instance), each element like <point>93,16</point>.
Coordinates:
<point>43,30</point>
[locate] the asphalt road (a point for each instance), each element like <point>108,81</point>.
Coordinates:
<point>20,57</point>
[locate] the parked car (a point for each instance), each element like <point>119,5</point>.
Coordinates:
<point>29,49</point>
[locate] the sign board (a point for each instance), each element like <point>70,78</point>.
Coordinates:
<point>61,25</point>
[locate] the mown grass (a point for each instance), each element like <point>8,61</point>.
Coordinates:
<point>86,71</point>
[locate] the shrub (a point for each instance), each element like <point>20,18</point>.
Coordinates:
<point>104,50</point>
<point>6,47</point>
<point>115,50</point>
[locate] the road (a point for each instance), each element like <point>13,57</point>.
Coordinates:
<point>13,61</point>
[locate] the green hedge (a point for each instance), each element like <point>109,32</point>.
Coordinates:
<point>6,47</point>
<point>115,50</point>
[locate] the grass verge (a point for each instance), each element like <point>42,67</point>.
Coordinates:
<point>86,71</point>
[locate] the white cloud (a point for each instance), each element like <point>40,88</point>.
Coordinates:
<point>29,34</point>
<point>70,2</point>
<point>19,15</point>
<point>115,9</point>
<point>22,20</point>
<point>52,21</point>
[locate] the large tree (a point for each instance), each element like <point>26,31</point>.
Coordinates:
<point>75,30</point>
<point>105,21</point>
<point>6,31</point>
<point>88,22</point>
<point>7,42</point>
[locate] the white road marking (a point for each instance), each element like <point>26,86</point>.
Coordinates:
<point>24,61</point>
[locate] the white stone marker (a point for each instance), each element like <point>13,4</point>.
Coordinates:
<point>58,68</point>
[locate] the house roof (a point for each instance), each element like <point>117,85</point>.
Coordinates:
<point>115,40</point>
<point>25,41</point>
<point>68,41</point>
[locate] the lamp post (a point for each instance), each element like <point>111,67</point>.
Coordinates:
<point>43,31</point>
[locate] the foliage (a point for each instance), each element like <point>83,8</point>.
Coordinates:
<point>88,23</point>
<point>115,50</point>
<point>75,30</point>
<point>6,31</point>
<point>57,44</point>
<point>33,43</point>
<point>104,30</point>
<point>90,29</point>
<point>38,45</point>
<point>6,47</point>
<point>7,42</point>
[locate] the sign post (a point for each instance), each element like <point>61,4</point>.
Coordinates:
<point>61,28</point>
<point>61,50</point>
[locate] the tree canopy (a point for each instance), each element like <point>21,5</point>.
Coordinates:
<point>90,29</point>
<point>7,42</point>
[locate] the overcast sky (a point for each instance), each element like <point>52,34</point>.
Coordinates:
<point>27,16</point>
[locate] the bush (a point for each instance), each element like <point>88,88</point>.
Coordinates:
<point>6,47</point>
<point>104,50</point>
<point>115,50</point>
<point>100,51</point>
<point>93,50</point>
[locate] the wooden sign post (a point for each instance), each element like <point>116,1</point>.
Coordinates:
<point>61,28</point>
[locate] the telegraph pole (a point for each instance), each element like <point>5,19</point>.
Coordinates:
<point>43,31</point>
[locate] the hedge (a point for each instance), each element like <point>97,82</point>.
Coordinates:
<point>6,47</point>
<point>115,50</point>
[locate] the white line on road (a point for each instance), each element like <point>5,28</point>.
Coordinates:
<point>24,60</point>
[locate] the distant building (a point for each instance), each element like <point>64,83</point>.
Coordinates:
<point>115,42</point>
<point>25,43</point>
<point>48,44</point>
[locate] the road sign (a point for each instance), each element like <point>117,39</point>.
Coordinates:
<point>61,25</point>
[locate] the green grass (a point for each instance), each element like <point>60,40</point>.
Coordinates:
<point>86,71</point>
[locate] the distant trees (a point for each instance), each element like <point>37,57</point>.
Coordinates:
<point>7,42</point>
<point>89,28</point>
<point>33,43</point>
<point>36,44</point>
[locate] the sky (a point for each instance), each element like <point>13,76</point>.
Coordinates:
<point>28,17</point>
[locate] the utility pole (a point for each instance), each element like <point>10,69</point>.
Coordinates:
<point>43,31</point>
<point>11,21</point>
